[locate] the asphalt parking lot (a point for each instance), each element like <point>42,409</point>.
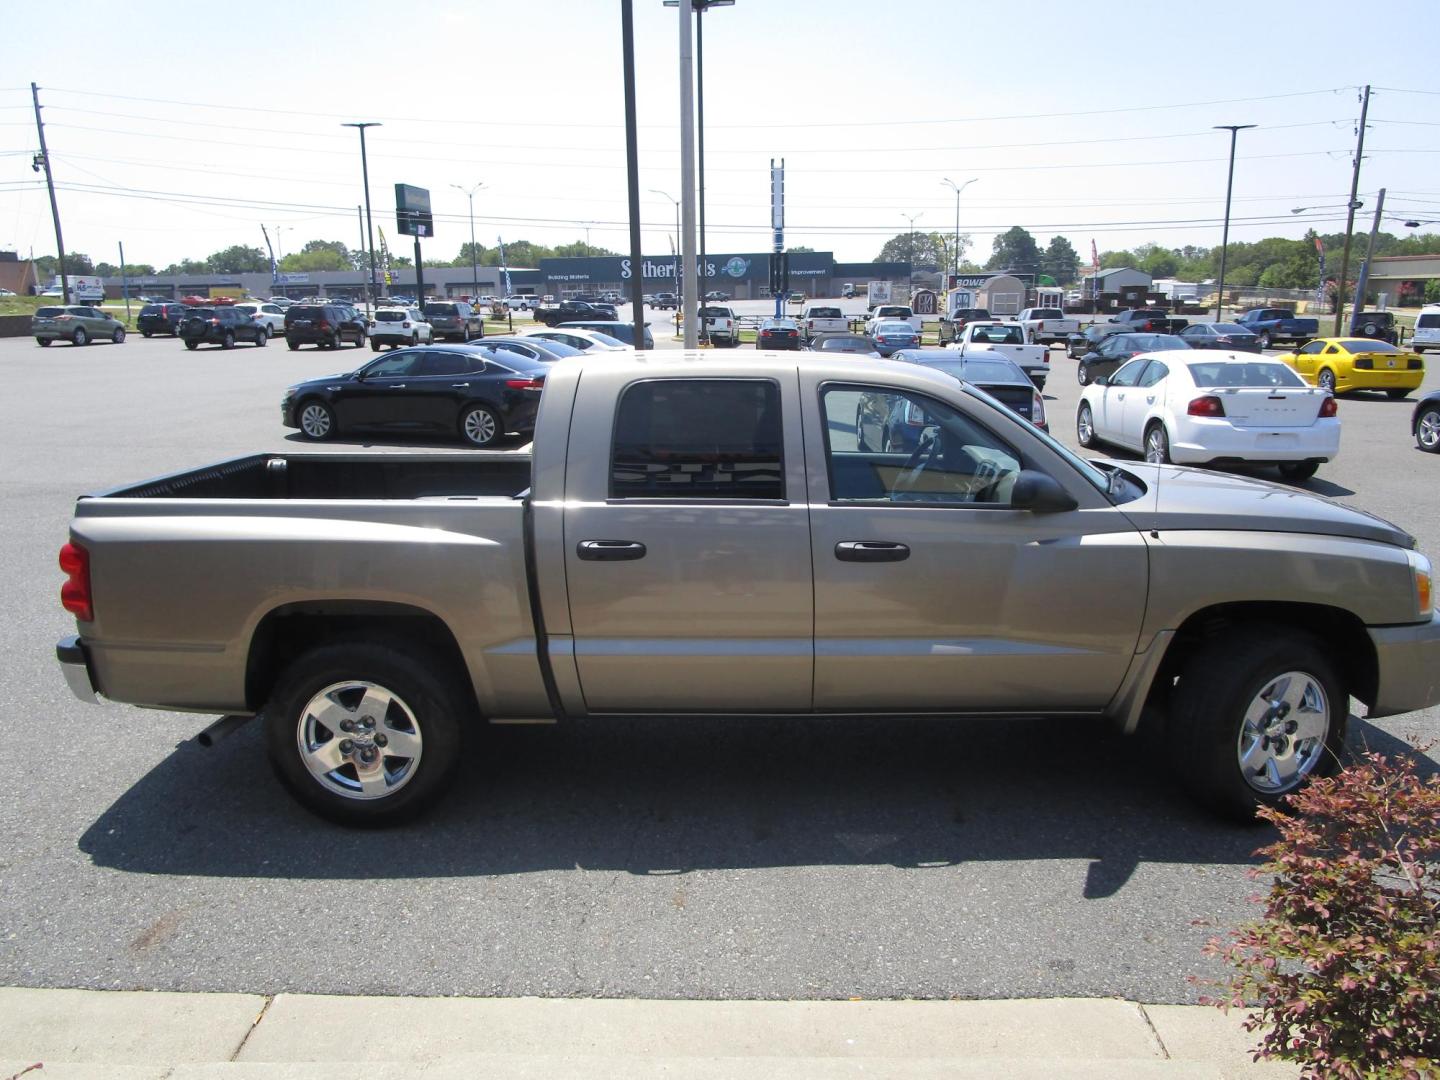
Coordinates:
<point>655,858</point>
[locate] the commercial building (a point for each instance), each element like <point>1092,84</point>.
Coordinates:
<point>17,274</point>
<point>741,275</point>
<point>1402,278</point>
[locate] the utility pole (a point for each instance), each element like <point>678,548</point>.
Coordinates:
<point>44,159</point>
<point>360,218</point>
<point>419,276</point>
<point>687,179</point>
<point>369,221</point>
<point>274,268</point>
<point>1353,206</point>
<point>674,243</point>
<point>125,284</point>
<point>632,173</point>
<point>1364,278</point>
<point>912,218</point>
<point>1234,129</point>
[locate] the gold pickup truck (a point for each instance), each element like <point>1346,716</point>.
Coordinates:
<point>692,535</point>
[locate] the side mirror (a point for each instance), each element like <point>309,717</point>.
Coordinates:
<point>1101,380</point>
<point>1040,493</point>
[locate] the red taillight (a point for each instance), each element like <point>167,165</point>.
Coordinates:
<point>404,326</point>
<point>323,325</point>
<point>75,593</point>
<point>1209,405</point>
<point>1037,409</point>
<point>525,384</point>
<point>214,322</point>
<point>1328,407</point>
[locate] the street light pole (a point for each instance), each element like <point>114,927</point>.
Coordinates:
<point>369,221</point>
<point>474,264</point>
<point>912,218</point>
<point>957,188</point>
<point>1225,234</point>
<point>676,249</point>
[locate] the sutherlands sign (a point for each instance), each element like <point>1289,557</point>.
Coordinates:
<point>718,268</point>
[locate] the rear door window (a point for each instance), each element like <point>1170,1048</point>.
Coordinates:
<point>698,439</point>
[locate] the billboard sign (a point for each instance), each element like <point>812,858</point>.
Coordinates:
<point>412,211</point>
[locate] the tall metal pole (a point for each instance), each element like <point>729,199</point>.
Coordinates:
<point>632,173</point>
<point>125,283</point>
<point>700,160</point>
<point>360,220</point>
<point>1364,278</point>
<point>1350,216</point>
<point>675,244</point>
<point>54,206</point>
<point>687,179</point>
<point>419,276</point>
<point>912,218</point>
<point>369,221</point>
<point>474,256</point>
<point>957,188</point>
<point>1234,129</point>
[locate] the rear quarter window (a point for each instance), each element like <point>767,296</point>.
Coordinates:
<point>48,312</point>
<point>698,439</point>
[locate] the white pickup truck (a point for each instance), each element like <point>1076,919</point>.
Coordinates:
<point>887,312</point>
<point>1047,326</point>
<point>1007,339</point>
<point>718,322</point>
<point>822,319</point>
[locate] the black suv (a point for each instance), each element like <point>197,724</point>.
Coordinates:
<point>161,318</point>
<point>221,326</point>
<point>1377,325</point>
<point>454,320</point>
<point>327,325</point>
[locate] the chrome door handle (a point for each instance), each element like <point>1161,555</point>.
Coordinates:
<point>871,551</point>
<point>610,550</point>
<point>397,386</point>
<point>459,386</point>
<point>1150,400</point>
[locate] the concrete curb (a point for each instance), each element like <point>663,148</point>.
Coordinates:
<point>84,1035</point>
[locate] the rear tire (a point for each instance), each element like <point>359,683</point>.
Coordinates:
<point>1299,470</point>
<point>192,343</point>
<point>480,426</point>
<point>1264,340</point>
<point>1397,394</point>
<point>261,338</point>
<point>1427,429</point>
<point>43,342</point>
<point>415,703</point>
<point>1326,380</point>
<point>1085,426</point>
<point>1082,373</point>
<point>118,337</point>
<point>80,337</point>
<point>294,345</point>
<point>1157,444</point>
<point>228,341</point>
<point>1233,749</point>
<point>374,345</point>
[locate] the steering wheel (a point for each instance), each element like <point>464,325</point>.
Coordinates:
<point>916,463</point>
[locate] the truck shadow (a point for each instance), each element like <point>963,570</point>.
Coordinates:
<point>669,796</point>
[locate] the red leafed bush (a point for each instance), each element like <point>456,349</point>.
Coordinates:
<point>1345,963</point>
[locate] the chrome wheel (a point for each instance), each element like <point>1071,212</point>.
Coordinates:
<point>1284,733</point>
<point>1085,427</point>
<point>1326,381</point>
<point>480,426</point>
<point>316,421</point>
<point>359,740</point>
<point>1157,446</point>
<point>1082,373</point>
<point>1427,431</point>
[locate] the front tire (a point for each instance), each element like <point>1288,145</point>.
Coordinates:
<point>192,343</point>
<point>1085,426</point>
<point>1255,714</point>
<point>118,337</point>
<point>365,734</point>
<point>374,345</point>
<point>480,426</point>
<point>1264,340</point>
<point>44,342</point>
<point>1157,445</point>
<point>228,341</point>
<point>1427,429</point>
<point>317,421</point>
<point>1397,394</point>
<point>1082,373</point>
<point>80,337</point>
<point>260,339</point>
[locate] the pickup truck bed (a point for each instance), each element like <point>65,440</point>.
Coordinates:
<point>698,535</point>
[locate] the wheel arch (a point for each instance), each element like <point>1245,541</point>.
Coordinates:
<point>288,631</point>
<point>1341,633</point>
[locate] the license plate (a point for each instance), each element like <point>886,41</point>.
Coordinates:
<point>300,322</point>
<point>1278,438</point>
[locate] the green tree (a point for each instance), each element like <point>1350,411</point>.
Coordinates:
<point>184,266</point>
<point>105,269</point>
<point>1432,291</point>
<point>1113,260</point>
<point>1060,261</point>
<point>321,255</point>
<point>238,259</point>
<point>1015,249</point>
<point>463,259</point>
<point>923,250</point>
<point>517,253</point>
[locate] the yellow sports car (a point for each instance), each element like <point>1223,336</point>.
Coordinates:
<point>1344,364</point>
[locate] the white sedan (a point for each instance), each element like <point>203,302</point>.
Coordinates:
<point>584,340</point>
<point>1212,408</point>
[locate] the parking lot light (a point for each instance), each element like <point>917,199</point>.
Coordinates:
<point>1234,129</point>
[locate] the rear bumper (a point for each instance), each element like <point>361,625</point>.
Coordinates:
<point>1202,441</point>
<point>75,665</point>
<point>1408,663</point>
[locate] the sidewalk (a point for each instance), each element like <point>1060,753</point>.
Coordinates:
<point>105,1035</point>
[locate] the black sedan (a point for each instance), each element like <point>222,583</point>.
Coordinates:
<point>533,349</point>
<point>1089,339</point>
<point>997,375</point>
<point>1232,337</point>
<point>858,344</point>
<point>1117,348</point>
<point>778,334</point>
<point>476,393</point>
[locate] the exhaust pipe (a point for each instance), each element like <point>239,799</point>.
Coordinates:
<point>226,725</point>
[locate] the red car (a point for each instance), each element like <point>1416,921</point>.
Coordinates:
<point>778,334</point>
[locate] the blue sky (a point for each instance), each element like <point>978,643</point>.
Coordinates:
<point>1070,124</point>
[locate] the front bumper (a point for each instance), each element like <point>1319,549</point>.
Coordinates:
<point>1408,665</point>
<point>75,665</point>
